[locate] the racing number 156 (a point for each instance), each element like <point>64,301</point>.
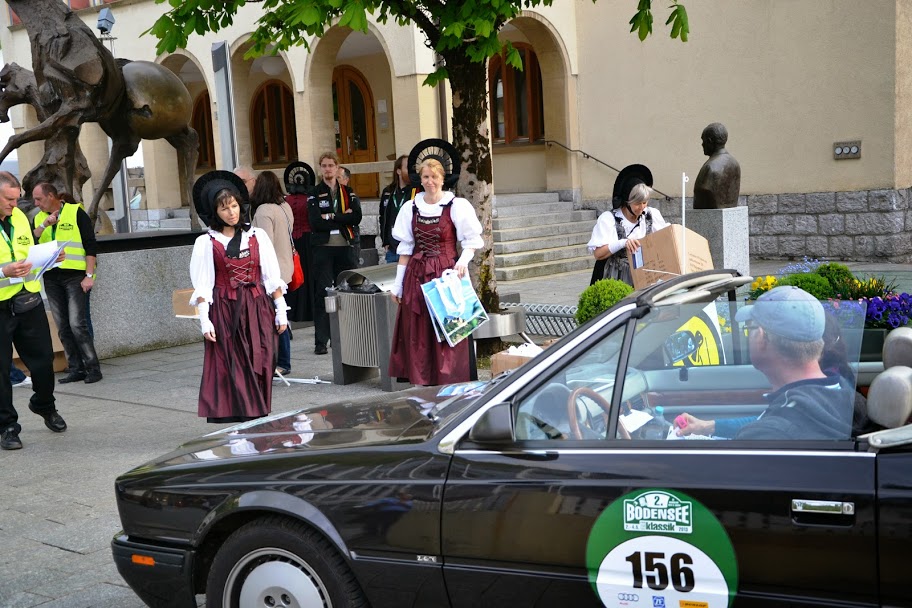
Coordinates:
<point>656,572</point>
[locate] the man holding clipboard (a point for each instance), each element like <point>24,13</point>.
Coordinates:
<point>23,321</point>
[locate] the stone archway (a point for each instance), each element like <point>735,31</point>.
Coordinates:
<point>559,116</point>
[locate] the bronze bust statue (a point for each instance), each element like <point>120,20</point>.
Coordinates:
<point>719,181</point>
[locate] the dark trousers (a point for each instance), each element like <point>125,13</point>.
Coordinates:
<point>68,305</point>
<point>30,333</point>
<point>329,261</point>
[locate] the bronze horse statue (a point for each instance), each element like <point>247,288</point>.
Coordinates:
<point>78,80</point>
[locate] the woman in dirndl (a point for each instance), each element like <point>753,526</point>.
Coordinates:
<point>619,231</point>
<point>428,229</point>
<point>239,293</point>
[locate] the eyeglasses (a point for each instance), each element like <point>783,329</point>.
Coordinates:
<point>751,325</point>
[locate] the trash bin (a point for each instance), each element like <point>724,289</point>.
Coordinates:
<point>362,317</point>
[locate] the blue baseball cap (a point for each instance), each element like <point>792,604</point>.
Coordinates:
<point>789,312</point>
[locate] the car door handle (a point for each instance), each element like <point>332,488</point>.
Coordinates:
<point>822,507</point>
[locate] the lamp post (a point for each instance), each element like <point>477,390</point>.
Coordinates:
<point>119,185</point>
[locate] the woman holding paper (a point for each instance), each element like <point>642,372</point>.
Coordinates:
<point>428,229</point>
<point>619,231</point>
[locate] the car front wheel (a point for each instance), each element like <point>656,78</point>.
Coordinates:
<point>279,563</point>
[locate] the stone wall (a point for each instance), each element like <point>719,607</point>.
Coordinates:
<point>865,225</point>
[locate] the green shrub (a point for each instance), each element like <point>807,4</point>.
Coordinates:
<point>837,274</point>
<point>812,283</point>
<point>599,297</point>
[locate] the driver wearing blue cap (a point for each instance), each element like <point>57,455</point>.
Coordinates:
<point>785,337</point>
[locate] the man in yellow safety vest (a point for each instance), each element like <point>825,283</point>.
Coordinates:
<point>23,322</point>
<point>66,286</point>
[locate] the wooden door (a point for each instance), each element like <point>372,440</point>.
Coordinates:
<point>353,110</point>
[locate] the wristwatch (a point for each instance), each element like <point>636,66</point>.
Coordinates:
<point>89,275</point>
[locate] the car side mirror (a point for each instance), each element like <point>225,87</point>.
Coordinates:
<point>680,345</point>
<point>495,426</point>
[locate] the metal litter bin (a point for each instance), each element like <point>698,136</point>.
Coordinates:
<point>362,316</point>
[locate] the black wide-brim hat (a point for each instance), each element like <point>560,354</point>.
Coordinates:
<point>630,176</point>
<point>209,185</point>
<point>299,178</point>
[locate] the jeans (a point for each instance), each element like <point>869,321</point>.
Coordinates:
<point>283,359</point>
<point>329,261</point>
<point>391,256</point>
<point>89,313</point>
<point>16,375</point>
<point>30,334</point>
<point>68,305</point>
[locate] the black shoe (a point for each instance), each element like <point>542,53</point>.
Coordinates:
<point>91,377</point>
<point>9,440</point>
<point>74,377</point>
<point>320,349</point>
<point>55,422</point>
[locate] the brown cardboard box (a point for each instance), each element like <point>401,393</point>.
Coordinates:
<point>59,358</point>
<point>663,255</point>
<point>501,362</point>
<point>180,303</point>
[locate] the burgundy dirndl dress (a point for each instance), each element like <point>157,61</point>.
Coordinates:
<point>237,367</point>
<point>416,355</point>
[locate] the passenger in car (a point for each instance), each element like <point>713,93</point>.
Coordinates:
<point>785,338</point>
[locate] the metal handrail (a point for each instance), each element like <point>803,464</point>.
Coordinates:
<point>601,162</point>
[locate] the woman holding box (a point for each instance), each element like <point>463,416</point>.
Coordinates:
<point>619,231</point>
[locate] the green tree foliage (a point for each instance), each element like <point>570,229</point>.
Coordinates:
<point>599,297</point>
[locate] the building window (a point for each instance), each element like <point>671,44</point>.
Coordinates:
<point>517,113</point>
<point>79,4</point>
<point>202,124</point>
<point>272,124</point>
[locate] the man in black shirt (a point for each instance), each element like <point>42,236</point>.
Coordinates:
<point>335,213</point>
<point>396,194</point>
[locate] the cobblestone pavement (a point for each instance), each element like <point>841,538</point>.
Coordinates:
<point>57,512</point>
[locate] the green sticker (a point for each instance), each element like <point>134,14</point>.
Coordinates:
<point>661,549</point>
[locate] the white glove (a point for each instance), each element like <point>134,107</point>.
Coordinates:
<point>205,324</point>
<point>400,278</point>
<point>281,317</point>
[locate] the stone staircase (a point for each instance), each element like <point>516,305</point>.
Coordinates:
<point>537,235</point>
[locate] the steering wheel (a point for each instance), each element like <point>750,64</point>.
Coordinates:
<point>573,416</point>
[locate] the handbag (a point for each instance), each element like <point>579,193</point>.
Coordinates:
<point>297,275</point>
<point>454,307</point>
<point>24,301</point>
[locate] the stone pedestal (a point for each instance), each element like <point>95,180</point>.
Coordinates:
<point>728,233</point>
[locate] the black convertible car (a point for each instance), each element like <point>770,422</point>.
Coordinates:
<point>563,483</point>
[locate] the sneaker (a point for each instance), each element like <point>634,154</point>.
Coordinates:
<point>25,383</point>
<point>280,372</point>
<point>91,377</point>
<point>320,349</point>
<point>73,377</point>
<point>9,440</point>
<point>55,422</point>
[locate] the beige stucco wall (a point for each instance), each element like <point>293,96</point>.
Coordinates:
<point>787,78</point>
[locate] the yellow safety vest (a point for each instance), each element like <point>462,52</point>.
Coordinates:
<point>15,247</point>
<point>65,230</point>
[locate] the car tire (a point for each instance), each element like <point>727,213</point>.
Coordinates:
<point>283,563</point>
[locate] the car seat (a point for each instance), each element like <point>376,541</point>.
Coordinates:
<point>890,395</point>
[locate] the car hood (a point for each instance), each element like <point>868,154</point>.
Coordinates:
<point>404,417</point>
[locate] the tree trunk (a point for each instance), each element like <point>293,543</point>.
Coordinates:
<point>472,138</point>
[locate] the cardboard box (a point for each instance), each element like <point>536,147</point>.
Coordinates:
<point>663,255</point>
<point>60,362</point>
<point>501,362</point>
<point>180,304</point>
